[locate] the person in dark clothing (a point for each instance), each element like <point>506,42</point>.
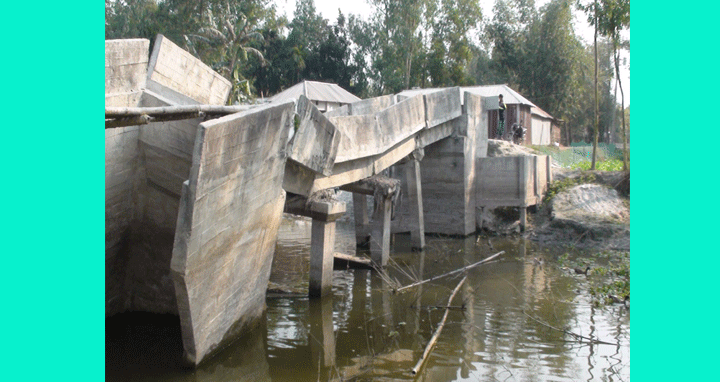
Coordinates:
<point>501,118</point>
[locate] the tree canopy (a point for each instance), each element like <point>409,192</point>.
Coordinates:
<point>403,45</point>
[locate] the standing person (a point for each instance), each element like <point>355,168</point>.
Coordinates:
<point>501,118</point>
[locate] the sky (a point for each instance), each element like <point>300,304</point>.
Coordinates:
<point>329,10</point>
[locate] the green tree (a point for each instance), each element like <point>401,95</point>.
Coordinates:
<point>451,48</point>
<point>397,43</point>
<point>608,17</point>
<point>330,61</point>
<point>229,34</point>
<point>131,19</point>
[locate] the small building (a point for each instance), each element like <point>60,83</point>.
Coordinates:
<point>520,110</point>
<point>541,129</point>
<point>324,95</point>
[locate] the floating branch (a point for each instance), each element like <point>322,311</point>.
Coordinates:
<point>452,272</point>
<point>435,336</point>
<point>591,340</point>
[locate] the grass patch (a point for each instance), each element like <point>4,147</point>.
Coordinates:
<point>606,165</point>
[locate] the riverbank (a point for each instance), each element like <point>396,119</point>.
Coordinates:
<point>582,209</point>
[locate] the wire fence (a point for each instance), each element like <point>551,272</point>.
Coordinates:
<point>581,151</point>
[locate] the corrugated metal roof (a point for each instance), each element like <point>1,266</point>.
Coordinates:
<point>538,111</point>
<point>509,96</point>
<point>316,91</point>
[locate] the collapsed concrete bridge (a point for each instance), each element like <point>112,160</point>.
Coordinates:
<point>195,192</point>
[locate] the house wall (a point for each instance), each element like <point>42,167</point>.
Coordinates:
<point>515,113</point>
<point>540,132</point>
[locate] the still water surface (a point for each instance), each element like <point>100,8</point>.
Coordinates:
<point>506,330</point>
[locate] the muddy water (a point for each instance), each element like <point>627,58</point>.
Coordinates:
<point>508,326</point>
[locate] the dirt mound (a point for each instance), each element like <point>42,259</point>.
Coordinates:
<point>619,180</point>
<point>586,216</point>
<point>500,148</point>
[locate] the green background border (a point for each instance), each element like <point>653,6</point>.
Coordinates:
<point>52,191</point>
<point>674,76</point>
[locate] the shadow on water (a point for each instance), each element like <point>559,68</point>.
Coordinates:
<point>511,324</point>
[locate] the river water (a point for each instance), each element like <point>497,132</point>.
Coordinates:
<point>512,322</point>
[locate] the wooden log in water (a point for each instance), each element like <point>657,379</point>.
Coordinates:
<point>435,336</point>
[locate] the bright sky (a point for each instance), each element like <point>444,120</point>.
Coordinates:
<point>329,10</point>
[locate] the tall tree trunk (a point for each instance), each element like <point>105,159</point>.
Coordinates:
<point>626,164</point>
<point>597,116</point>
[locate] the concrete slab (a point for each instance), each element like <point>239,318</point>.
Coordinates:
<point>371,105</point>
<point>177,69</point>
<point>316,141</point>
<point>125,71</point>
<point>442,106</point>
<point>230,211</point>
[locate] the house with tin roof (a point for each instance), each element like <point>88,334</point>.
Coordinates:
<point>520,110</point>
<point>326,96</point>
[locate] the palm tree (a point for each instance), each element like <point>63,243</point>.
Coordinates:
<point>228,35</point>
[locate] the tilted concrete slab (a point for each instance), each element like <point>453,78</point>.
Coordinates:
<point>230,211</point>
<point>360,137</point>
<point>177,69</point>
<point>369,135</point>
<point>442,106</point>
<point>400,121</point>
<point>315,144</point>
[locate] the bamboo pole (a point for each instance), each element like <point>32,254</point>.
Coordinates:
<point>452,272</point>
<point>119,112</point>
<point>435,336</point>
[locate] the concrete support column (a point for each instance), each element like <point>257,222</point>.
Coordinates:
<point>322,245</point>
<point>380,232</point>
<point>417,220</point>
<point>362,221</point>
<point>523,217</point>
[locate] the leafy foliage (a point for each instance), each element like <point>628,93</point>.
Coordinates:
<point>404,44</point>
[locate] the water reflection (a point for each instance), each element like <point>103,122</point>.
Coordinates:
<point>507,331</point>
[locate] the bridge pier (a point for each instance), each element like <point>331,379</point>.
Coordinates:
<point>384,190</point>
<point>417,219</point>
<point>362,220</point>
<point>324,213</point>
<point>322,245</point>
<point>380,231</point>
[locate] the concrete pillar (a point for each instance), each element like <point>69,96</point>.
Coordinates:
<point>322,245</point>
<point>380,232</point>
<point>362,221</point>
<point>417,220</point>
<point>523,217</point>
